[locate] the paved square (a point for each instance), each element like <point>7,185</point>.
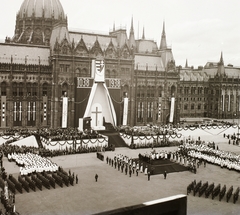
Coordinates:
<point>115,189</point>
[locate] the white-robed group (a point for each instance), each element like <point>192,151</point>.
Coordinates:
<point>218,157</point>
<point>30,163</point>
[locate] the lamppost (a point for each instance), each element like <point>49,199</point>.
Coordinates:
<point>26,58</point>
<point>234,115</point>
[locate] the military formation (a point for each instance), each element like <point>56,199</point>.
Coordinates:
<point>35,173</point>
<point>128,165</point>
<point>213,191</point>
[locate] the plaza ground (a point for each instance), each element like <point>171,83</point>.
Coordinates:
<point>115,190</point>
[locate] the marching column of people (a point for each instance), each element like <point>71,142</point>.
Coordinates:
<point>129,166</point>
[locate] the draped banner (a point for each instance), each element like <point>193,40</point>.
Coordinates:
<point>64,112</point>
<point>125,111</point>
<point>172,109</point>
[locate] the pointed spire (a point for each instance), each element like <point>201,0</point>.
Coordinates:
<point>221,59</point>
<point>143,35</point>
<point>131,36</point>
<point>163,31</point>
<point>114,26</point>
<point>163,44</point>
<point>131,30</point>
<point>186,65</point>
<point>221,68</point>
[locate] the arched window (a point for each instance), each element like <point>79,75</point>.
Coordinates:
<point>29,89</point>
<point>107,73</point>
<point>45,89</point>
<point>160,89</point>
<point>3,89</point>
<point>77,71</point>
<point>85,72</point>
<point>14,89</point>
<point>20,89</point>
<point>173,90</point>
<point>192,106</point>
<point>34,89</point>
<point>125,90</point>
<point>64,89</point>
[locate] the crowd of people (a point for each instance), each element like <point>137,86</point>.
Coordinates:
<point>205,153</point>
<point>153,155</point>
<point>30,163</point>
<point>128,165</point>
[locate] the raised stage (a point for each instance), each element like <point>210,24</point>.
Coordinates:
<point>159,166</point>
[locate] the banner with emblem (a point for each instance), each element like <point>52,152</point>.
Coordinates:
<point>100,71</point>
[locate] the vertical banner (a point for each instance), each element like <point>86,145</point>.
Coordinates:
<point>223,101</point>
<point>238,103</point>
<point>34,111</point>
<point>125,110</point>
<point>44,123</point>
<point>29,111</point>
<point>64,112</point>
<point>80,124</point>
<point>15,112</point>
<point>229,102</point>
<point>159,108</point>
<point>3,105</point>
<point>20,111</point>
<point>172,109</point>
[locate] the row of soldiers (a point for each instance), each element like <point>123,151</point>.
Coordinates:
<point>213,191</point>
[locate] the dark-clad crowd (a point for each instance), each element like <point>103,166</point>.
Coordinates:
<point>213,191</point>
<point>35,173</point>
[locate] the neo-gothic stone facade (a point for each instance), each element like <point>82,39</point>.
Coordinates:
<point>42,62</point>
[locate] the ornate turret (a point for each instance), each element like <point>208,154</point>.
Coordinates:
<point>36,19</point>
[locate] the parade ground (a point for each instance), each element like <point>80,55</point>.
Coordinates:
<point>115,189</point>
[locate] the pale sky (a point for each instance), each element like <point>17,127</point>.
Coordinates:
<point>197,30</point>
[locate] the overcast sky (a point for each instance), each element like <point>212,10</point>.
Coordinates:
<point>197,30</point>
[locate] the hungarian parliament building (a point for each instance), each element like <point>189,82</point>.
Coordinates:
<point>49,77</point>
